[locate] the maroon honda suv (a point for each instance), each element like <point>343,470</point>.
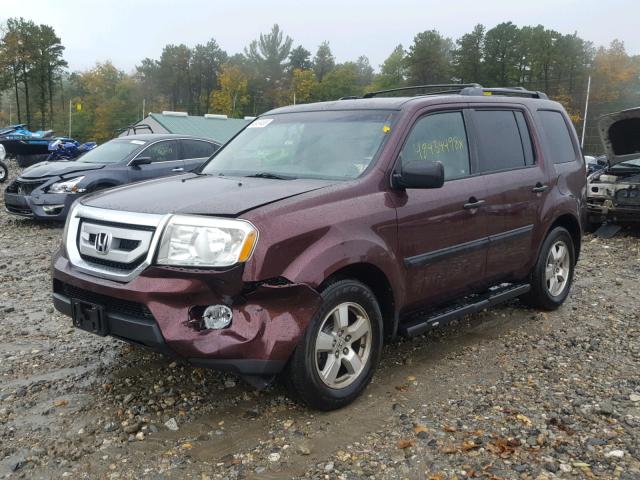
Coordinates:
<point>322,230</point>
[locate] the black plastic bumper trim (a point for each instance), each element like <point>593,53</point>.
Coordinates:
<point>140,331</point>
<point>241,366</point>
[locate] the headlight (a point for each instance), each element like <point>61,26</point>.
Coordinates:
<point>67,186</point>
<point>193,240</point>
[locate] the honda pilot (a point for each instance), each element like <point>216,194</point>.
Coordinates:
<point>322,230</point>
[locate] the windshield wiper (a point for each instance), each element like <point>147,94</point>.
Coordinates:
<point>273,176</point>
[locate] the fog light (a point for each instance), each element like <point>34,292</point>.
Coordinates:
<point>217,317</point>
<point>52,209</point>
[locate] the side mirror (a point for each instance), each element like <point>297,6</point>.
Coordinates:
<point>419,175</point>
<point>136,162</point>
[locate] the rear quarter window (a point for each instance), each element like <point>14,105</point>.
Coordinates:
<point>557,136</point>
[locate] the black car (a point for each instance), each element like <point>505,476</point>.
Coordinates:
<point>47,190</point>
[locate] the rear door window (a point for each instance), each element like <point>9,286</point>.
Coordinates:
<point>500,145</point>
<point>197,149</point>
<point>556,132</point>
<point>440,137</point>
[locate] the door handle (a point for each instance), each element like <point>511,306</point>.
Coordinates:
<point>539,188</point>
<point>177,169</point>
<point>473,203</point>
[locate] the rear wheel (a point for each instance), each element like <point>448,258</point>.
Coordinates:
<point>338,353</point>
<point>552,275</point>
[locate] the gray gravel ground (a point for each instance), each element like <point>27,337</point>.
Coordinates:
<point>509,393</point>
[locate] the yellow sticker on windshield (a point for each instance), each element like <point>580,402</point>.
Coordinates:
<point>386,129</point>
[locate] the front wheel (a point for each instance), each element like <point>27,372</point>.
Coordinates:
<point>337,355</point>
<point>552,275</point>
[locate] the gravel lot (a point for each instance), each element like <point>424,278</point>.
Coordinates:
<point>509,393</point>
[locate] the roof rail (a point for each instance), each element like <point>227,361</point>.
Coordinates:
<point>135,127</point>
<point>450,88</point>
<point>510,91</point>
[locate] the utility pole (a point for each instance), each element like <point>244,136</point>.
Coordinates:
<point>144,100</point>
<point>69,118</point>
<point>586,110</point>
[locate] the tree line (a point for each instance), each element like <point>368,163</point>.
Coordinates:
<point>273,71</point>
<point>31,65</point>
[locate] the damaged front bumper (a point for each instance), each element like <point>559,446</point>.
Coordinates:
<point>159,309</point>
<point>599,212</point>
<point>612,201</point>
<point>42,206</point>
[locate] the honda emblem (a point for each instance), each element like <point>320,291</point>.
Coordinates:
<point>103,242</point>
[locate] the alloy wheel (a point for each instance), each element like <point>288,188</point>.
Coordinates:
<point>343,345</point>
<point>557,268</point>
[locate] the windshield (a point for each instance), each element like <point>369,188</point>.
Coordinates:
<point>114,151</point>
<point>337,145</point>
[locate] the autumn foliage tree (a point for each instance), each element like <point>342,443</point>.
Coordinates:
<point>303,85</point>
<point>231,96</point>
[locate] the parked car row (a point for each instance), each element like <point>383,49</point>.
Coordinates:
<point>47,190</point>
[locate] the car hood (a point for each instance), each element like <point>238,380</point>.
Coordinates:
<point>50,169</point>
<point>201,194</point>
<point>620,135</point>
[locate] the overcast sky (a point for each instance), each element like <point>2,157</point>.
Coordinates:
<point>125,31</point>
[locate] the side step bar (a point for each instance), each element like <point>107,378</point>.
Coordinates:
<point>474,304</point>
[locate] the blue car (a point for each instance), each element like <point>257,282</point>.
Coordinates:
<point>47,190</point>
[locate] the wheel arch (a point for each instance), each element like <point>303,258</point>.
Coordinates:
<point>572,225</point>
<point>374,278</point>
<point>101,183</point>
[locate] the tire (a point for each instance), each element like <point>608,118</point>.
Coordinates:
<point>4,172</point>
<point>329,368</point>
<point>552,275</point>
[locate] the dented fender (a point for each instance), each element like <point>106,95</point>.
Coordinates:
<point>267,324</point>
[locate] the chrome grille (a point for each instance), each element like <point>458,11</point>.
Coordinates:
<point>24,187</point>
<point>118,243</point>
<point>112,244</point>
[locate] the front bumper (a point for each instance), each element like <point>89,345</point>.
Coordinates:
<point>154,310</point>
<point>45,206</point>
